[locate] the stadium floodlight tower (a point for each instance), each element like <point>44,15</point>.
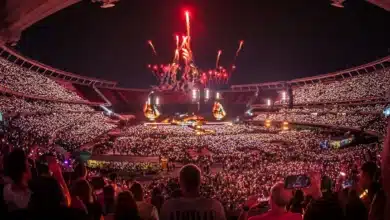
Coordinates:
<point>217,96</point>
<point>284,96</point>
<point>269,102</point>
<point>206,94</point>
<point>195,95</point>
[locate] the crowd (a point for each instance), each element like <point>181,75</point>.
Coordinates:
<point>238,161</point>
<point>133,168</point>
<point>368,117</point>
<point>373,85</point>
<point>232,129</point>
<point>74,129</point>
<point>236,139</point>
<point>251,161</point>
<point>50,122</point>
<point>23,81</point>
<point>350,109</point>
<point>163,131</point>
<point>77,128</point>
<point>39,189</point>
<point>153,141</point>
<point>12,104</point>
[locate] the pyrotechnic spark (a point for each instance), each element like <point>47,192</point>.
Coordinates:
<point>152,46</point>
<point>218,55</point>
<point>186,54</point>
<point>239,47</point>
<point>184,41</point>
<point>177,42</point>
<point>187,13</point>
<point>176,57</point>
<point>241,43</point>
<point>176,54</point>
<point>177,76</point>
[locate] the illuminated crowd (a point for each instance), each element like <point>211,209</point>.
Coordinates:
<point>23,81</point>
<point>53,119</point>
<point>251,161</point>
<point>71,123</point>
<point>164,141</point>
<point>124,167</point>
<point>365,86</point>
<point>369,118</point>
<point>238,160</point>
<point>12,104</point>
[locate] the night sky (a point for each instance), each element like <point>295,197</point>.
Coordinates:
<point>283,39</point>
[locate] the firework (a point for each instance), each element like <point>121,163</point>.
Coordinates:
<point>239,48</point>
<point>182,73</point>
<point>152,46</point>
<point>177,42</point>
<point>187,13</point>
<point>218,55</point>
<point>176,57</point>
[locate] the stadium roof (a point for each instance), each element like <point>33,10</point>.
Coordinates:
<point>362,69</point>
<point>20,14</point>
<point>385,4</point>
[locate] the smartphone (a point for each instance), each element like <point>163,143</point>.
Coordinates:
<point>386,111</point>
<point>262,199</point>
<point>297,182</point>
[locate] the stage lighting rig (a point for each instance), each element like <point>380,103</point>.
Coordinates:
<point>106,3</point>
<point>195,95</point>
<point>337,3</point>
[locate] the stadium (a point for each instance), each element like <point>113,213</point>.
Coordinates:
<point>243,139</point>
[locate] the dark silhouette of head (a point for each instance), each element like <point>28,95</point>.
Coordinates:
<point>17,167</point>
<point>190,179</point>
<point>137,191</point>
<point>368,174</point>
<point>126,208</point>
<point>83,190</point>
